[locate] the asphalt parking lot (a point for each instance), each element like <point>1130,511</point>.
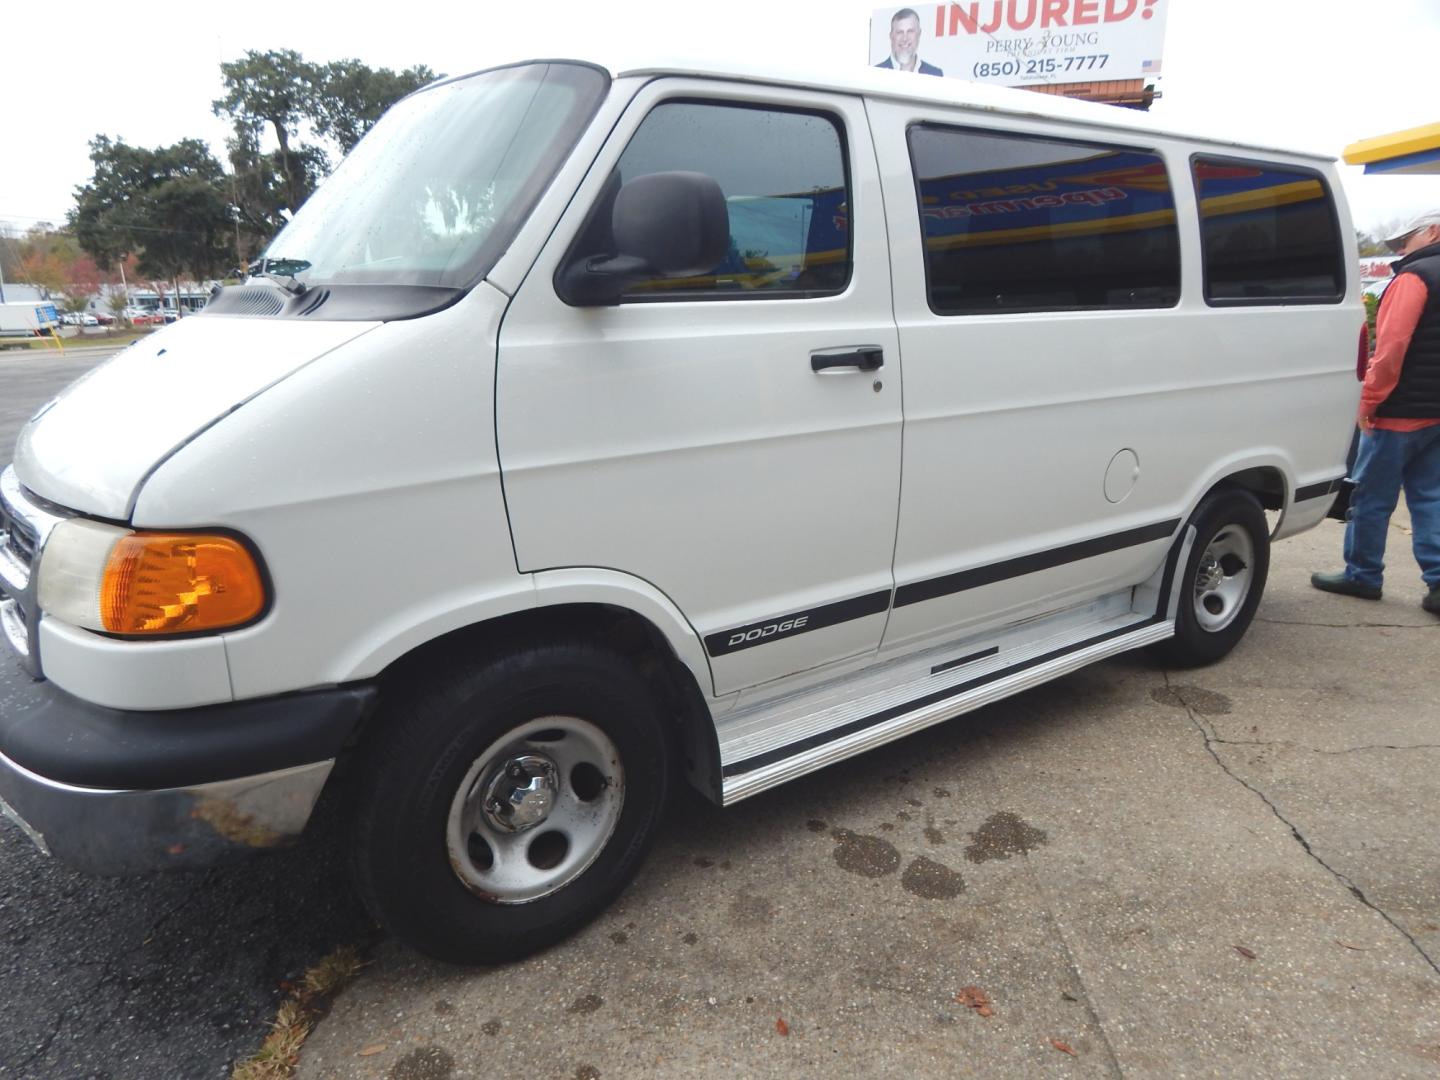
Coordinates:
<point>1232,871</point>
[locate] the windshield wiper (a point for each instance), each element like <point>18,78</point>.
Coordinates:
<point>282,272</point>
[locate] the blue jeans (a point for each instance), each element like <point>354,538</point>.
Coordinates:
<point>1388,461</point>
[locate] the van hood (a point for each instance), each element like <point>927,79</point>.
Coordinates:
<point>92,447</point>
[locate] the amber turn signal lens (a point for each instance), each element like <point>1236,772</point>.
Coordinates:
<point>174,583</point>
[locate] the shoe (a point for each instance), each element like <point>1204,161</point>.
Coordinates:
<point>1339,583</point>
<point>1431,602</point>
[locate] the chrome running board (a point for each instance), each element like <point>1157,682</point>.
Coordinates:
<point>974,685</point>
<point>772,741</point>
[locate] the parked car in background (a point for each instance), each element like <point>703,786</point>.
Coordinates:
<point>104,318</point>
<point>143,317</point>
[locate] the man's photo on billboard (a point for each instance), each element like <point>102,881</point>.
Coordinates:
<point>905,45</point>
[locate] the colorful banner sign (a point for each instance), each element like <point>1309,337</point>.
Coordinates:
<point>1023,42</point>
<point>1100,193</point>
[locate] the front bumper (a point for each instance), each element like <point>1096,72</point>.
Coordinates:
<point>112,791</point>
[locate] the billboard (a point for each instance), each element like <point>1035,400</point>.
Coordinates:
<point>1023,42</point>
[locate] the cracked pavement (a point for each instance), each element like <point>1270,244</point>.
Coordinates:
<point>1211,740</point>
<point>1223,871</point>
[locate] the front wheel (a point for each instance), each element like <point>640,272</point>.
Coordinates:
<point>504,802</point>
<point>1223,579</point>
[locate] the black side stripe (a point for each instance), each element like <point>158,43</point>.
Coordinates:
<point>724,642</point>
<point>1315,491</point>
<point>1167,579</point>
<point>759,761</point>
<point>919,591</point>
<point>783,626</point>
<point>949,664</point>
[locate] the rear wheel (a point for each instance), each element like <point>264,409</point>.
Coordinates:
<point>1223,579</point>
<point>503,803</point>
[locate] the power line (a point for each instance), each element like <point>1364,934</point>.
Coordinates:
<point>65,227</point>
<point>30,217</point>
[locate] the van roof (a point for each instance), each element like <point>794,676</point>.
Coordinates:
<point>905,86</point>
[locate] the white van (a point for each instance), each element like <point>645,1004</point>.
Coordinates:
<point>587,431</point>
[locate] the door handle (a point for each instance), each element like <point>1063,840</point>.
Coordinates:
<point>859,357</point>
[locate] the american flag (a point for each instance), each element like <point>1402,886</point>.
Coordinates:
<point>1150,67</point>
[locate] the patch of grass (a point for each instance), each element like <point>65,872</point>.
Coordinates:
<point>330,975</point>
<point>116,337</point>
<point>280,1052</point>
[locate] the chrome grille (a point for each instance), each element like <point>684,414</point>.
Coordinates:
<point>24,527</point>
<point>21,542</point>
<point>13,626</point>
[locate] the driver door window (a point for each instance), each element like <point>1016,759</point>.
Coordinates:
<point>786,186</point>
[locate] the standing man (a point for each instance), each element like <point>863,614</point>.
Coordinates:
<point>905,45</point>
<point>1399,423</point>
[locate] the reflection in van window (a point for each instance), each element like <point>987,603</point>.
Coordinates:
<point>1014,223</point>
<point>784,178</point>
<point>1268,233</point>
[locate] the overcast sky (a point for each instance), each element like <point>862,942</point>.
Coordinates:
<point>1308,74</point>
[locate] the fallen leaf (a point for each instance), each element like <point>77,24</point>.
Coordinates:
<point>1246,953</point>
<point>781,1026</point>
<point>1068,996</point>
<point>972,997</point>
<point>1343,945</point>
<point>1064,1048</point>
<point>371,1051</point>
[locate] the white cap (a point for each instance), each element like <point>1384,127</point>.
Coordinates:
<point>1420,221</point>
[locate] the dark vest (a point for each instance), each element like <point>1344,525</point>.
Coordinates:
<point>1417,394</point>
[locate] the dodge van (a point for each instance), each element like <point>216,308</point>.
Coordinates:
<point>592,430</point>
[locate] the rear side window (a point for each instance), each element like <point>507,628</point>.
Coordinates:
<point>785,179</point>
<point>1017,223</point>
<point>1268,234</point>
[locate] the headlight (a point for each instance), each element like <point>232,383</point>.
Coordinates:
<point>139,583</point>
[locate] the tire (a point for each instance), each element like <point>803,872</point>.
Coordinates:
<point>472,862</point>
<point>1223,579</point>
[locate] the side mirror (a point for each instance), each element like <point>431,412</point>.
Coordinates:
<point>671,224</point>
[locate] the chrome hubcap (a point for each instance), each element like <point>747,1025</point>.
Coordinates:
<point>535,809</point>
<point>521,794</point>
<point>1210,576</point>
<point>1222,580</point>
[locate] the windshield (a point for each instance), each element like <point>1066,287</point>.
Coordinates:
<point>436,191</point>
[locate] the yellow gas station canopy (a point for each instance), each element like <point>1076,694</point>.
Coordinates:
<point>1415,151</point>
